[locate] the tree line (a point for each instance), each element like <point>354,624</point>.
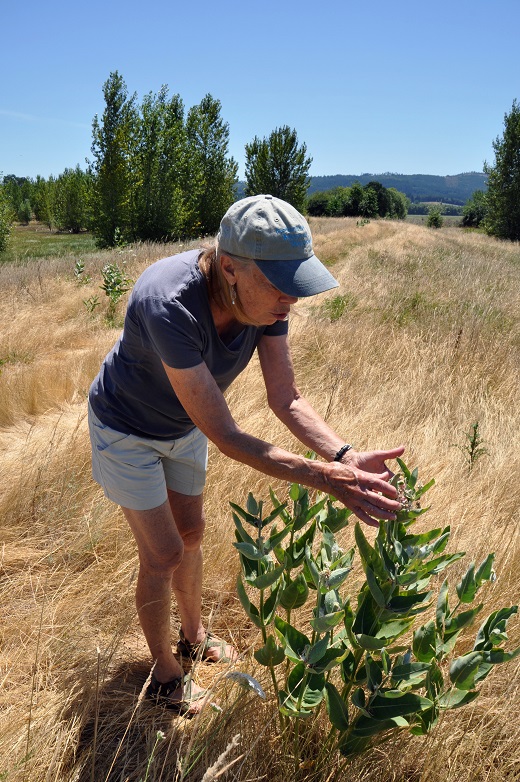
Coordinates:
<point>159,173</point>
<point>369,201</point>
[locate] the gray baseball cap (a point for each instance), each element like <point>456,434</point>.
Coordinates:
<point>278,239</point>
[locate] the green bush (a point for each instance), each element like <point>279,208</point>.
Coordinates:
<point>371,662</point>
<point>435,219</point>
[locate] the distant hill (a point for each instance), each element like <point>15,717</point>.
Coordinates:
<point>456,189</point>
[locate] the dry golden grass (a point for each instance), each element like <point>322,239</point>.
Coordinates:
<point>428,343</point>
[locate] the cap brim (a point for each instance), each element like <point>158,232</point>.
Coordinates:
<point>299,278</point>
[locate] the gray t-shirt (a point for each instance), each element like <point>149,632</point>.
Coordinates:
<point>169,319</point>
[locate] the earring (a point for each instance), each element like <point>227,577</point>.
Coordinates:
<point>233,294</point>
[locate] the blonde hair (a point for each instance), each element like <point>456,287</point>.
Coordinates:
<point>219,288</point>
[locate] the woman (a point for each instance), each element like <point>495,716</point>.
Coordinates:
<point>192,324</point>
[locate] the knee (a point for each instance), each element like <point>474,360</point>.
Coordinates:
<point>162,563</point>
<point>193,539</point>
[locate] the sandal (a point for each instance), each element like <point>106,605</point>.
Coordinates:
<point>200,650</point>
<point>160,693</point>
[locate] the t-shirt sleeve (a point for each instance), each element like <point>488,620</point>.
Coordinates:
<point>171,332</point>
<point>278,329</point>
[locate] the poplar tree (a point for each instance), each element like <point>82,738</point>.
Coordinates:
<point>503,194</point>
<point>279,166</point>
<point>211,174</point>
<point>158,169</point>
<point>113,147</point>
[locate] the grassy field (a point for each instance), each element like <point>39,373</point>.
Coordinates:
<point>28,242</point>
<point>422,340</point>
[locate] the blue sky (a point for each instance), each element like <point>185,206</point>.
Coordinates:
<point>375,86</point>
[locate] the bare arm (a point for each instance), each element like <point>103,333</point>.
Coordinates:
<point>367,494</point>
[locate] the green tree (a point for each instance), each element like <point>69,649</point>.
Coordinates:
<point>24,212</point>
<point>475,210</point>
<point>435,219</point>
<point>71,199</point>
<point>317,203</point>
<point>159,169</point>
<point>211,174</point>
<point>353,207</point>
<point>44,195</point>
<point>279,166</point>
<point>113,145</point>
<point>399,204</point>
<point>503,195</point>
<point>6,219</point>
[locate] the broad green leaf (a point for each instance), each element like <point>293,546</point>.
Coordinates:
<point>374,673</point>
<point>337,709</point>
<point>404,469</point>
<point>394,703</point>
<point>370,643</point>
<point>270,605</point>
<point>368,726</point>
<point>496,621</point>
<point>467,586</point>
<point>317,651</point>
<point>368,554</point>
<point>336,578</point>
<point>424,642</point>
<point>423,489</point>
<point>455,698</point>
<point>267,579</point>
<point>336,518</point>
<point>366,620</point>
<point>485,570</point>
<point>295,593</point>
<point>497,656</point>
<point>270,654</point>
<point>442,609</point>
<point>374,587</point>
<point>249,551</point>
<point>421,539</point>
<point>439,564</point>
<point>313,570</point>
<point>404,603</point>
<point>295,642</point>
<point>307,689</point>
<point>330,659</point>
<point>358,700</point>
<point>295,491</point>
<point>253,520</point>
<point>454,624</point>
<point>253,507</point>
<point>348,668</point>
<point>277,511</point>
<point>410,674</point>
<point>322,624</point>
<point>463,670</point>
<point>244,536</point>
<point>276,538</point>
<point>297,549</point>
<point>250,609</point>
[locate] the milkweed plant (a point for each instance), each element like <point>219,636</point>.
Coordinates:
<point>372,662</point>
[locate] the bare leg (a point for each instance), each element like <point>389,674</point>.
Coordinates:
<point>161,551</point>
<point>187,578</point>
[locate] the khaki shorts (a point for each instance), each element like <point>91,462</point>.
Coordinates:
<point>135,472</point>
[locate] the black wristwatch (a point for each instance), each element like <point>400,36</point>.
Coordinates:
<point>342,451</point>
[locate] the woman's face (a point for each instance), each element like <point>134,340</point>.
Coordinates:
<point>261,301</point>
